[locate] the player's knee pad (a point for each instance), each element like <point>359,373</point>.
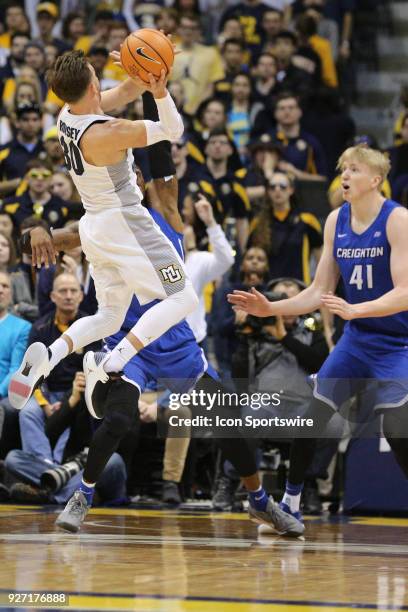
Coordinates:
<point>121,408</point>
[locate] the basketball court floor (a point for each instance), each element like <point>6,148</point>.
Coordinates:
<point>189,561</point>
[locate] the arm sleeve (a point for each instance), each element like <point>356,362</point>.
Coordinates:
<point>160,160</point>
<point>310,357</point>
<point>17,353</point>
<point>170,125</point>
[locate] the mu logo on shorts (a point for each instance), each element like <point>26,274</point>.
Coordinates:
<point>171,274</point>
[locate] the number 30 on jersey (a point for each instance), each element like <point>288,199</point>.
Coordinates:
<point>362,274</point>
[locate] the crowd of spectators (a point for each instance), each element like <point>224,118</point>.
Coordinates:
<point>262,88</point>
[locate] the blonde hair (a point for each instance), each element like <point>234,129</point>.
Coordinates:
<point>374,159</point>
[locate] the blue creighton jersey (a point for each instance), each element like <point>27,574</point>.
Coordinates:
<point>364,263</point>
<point>175,357</point>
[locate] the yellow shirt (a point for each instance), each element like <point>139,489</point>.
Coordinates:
<point>113,72</point>
<point>84,43</point>
<point>5,40</point>
<point>324,50</point>
<point>197,68</point>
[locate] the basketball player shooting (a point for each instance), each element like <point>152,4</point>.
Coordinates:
<point>128,253</point>
<point>365,242</point>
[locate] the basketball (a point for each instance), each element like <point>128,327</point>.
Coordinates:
<point>145,51</point>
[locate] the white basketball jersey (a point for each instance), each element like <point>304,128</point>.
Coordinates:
<point>100,187</point>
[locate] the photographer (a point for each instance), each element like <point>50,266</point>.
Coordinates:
<point>279,349</point>
<point>229,329</point>
<point>51,481</point>
<point>288,348</point>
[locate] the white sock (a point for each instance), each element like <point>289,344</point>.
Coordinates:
<point>121,354</point>
<point>293,501</point>
<point>59,350</point>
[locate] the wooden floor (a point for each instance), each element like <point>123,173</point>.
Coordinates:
<point>169,561</point>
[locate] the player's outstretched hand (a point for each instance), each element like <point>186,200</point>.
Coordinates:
<point>42,248</point>
<point>158,85</point>
<point>252,302</point>
<point>338,306</point>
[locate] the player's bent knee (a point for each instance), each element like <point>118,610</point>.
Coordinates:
<point>121,408</point>
<point>111,319</point>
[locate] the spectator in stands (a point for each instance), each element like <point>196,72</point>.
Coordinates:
<point>239,115</point>
<point>326,28</point>
<point>100,32</point>
<point>272,24</point>
<point>168,22</point>
<point>193,7</point>
<point>231,28</point>
<point>51,54</point>
<point>265,158</point>
<point>41,433</point>
<point>250,13</point>
<point>228,188</point>
<point>63,186</point>
<point>73,28</point>
<point>303,154</point>
<point>54,153</point>
<point>98,57</point>
<point>47,15</point>
<point>289,237</point>
<point>306,57</point>
<point>117,34</point>
<point>233,57</point>
<point>34,57</point>
<point>15,21</point>
<point>24,280</point>
<point>189,174</point>
<point>230,341</point>
<point>15,60</point>
<point>266,86</point>
<point>341,11</point>
<point>7,252</point>
<point>316,50</point>
<point>198,67</point>
<point>14,334</point>
<point>290,76</point>
<point>211,115</point>
<point>6,224</point>
<point>38,199</point>
<point>71,262</point>
<point>26,91</point>
<point>67,296</point>
<point>25,146</point>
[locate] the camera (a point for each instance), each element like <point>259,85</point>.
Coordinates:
<point>257,323</point>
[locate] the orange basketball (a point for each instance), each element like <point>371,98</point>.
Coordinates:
<point>147,51</point>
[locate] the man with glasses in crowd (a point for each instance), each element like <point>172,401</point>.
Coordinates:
<point>37,200</point>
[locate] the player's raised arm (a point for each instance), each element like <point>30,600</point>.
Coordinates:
<point>163,171</point>
<point>121,134</point>
<point>325,281</point>
<point>393,301</point>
